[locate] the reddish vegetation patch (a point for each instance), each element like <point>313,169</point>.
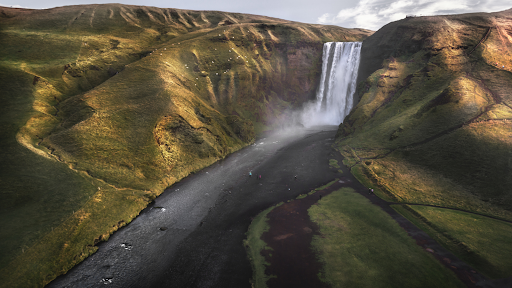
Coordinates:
<point>295,264</point>
<point>292,260</point>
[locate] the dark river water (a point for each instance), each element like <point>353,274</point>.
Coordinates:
<point>192,235</point>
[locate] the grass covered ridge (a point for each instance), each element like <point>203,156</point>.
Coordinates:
<point>107,105</point>
<point>438,111</point>
<point>482,242</point>
<point>361,246</point>
<point>434,119</point>
<point>254,245</point>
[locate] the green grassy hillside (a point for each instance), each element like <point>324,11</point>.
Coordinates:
<point>433,123</point>
<point>104,106</point>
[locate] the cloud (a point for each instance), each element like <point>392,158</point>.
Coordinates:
<point>13,6</point>
<point>324,18</point>
<point>373,14</point>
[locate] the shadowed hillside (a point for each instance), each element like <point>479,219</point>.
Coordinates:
<point>434,122</point>
<point>104,106</point>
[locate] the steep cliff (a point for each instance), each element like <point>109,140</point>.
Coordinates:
<point>133,99</point>
<point>149,82</point>
<point>433,123</point>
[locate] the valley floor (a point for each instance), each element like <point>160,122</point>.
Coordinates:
<point>341,235</point>
<point>192,235</point>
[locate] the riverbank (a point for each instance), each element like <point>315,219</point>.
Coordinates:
<point>192,234</point>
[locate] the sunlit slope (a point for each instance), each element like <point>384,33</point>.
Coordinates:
<point>106,105</point>
<point>433,123</point>
<point>433,126</point>
<point>207,73</point>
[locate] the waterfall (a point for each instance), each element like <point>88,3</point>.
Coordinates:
<point>334,98</point>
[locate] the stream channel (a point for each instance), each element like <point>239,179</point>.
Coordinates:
<point>192,234</point>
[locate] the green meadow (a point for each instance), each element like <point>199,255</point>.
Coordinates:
<point>360,245</point>
<point>482,242</point>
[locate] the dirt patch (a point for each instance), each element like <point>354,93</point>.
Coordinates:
<point>292,259</point>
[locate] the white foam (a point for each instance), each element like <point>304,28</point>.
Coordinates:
<point>335,95</point>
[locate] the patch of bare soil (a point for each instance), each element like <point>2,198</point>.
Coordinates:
<point>292,259</point>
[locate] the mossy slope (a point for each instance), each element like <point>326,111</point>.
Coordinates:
<point>438,103</point>
<point>132,99</point>
<point>434,120</point>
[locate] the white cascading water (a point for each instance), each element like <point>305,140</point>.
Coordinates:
<point>335,96</point>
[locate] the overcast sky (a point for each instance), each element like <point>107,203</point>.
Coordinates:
<point>370,14</point>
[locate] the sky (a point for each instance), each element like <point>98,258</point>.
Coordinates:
<point>369,14</point>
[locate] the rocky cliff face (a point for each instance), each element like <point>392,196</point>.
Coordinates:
<point>435,107</point>
<point>173,90</point>
<point>133,99</point>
